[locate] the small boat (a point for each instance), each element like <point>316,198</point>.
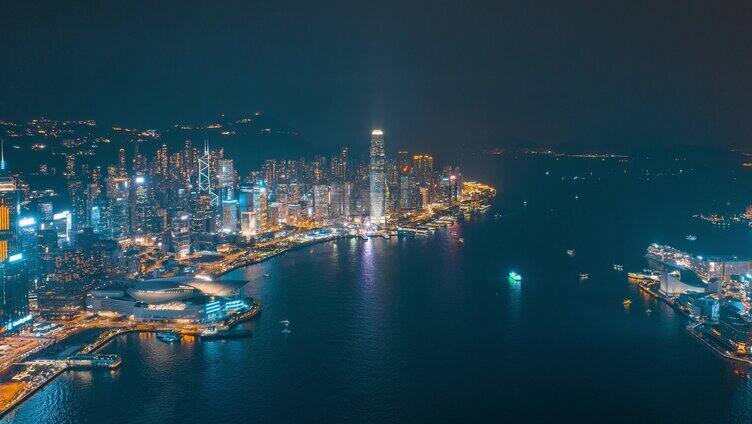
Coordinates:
<point>286,331</point>
<point>648,311</point>
<point>741,373</point>
<point>285,322</point>
<point>570,252</point>
<point>514,277</point>
<point>266,275</point>
<point>618,268</point>
<point>584,276</point>
<point>627,302</point>
<point>461,240</point>
<point>690,237</point>
<point>169,336</point>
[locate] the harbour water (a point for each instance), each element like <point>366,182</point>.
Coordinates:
<point>430,329</point>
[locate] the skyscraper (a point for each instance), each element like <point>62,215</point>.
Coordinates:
<point>377,176</point>
<point>204,176</point>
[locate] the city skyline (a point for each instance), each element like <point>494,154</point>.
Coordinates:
<point>393,212</point>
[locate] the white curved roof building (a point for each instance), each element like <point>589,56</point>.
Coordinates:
<point>172,289</point>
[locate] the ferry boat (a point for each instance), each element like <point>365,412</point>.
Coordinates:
<point>169,336</point>
<point>627,302</point>
<point>514,277</point>
<point>584,276</point>
<point>690,237</point>
<point>618,267</point>
<point>570,252</point>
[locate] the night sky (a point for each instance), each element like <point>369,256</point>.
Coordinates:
<point>431,74</point>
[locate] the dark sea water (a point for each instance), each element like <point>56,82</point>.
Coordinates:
<point>430,330</point>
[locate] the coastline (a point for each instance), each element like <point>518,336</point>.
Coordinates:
<point>289,249</point>
<point>98,344</point>
<point>693,327</point>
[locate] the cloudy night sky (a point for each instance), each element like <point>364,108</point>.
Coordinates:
<point>431,74</point>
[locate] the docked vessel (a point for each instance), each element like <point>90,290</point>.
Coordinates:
<point>213,333</point>
<point>169,336</point>
<point>637,276</point>
<point>618,267</point>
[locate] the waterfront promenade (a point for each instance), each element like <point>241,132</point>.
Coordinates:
<point>36,374</point>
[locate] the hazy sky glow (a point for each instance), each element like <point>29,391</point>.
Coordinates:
<point>430,73</point>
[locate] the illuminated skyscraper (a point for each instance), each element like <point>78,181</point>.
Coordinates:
<point>204,176</point>
<point>321,202</point>
<point>377,177</point>
<point>270,173</point>
<point>180,235</point>
<point>229,216</point>
<point>248,224</point>
<point>260,204</point>
<point>423,168</point>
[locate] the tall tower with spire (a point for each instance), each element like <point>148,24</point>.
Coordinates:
<point>377,176</point>
<point>204,175</point>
